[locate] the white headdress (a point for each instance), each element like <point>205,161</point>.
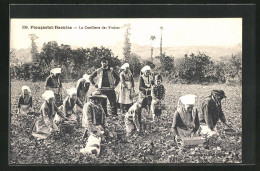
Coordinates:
<point>188,99</point>
<point>26,88</point>
<point>48,94</point>
<point>72,91</point>
<point>86,77</point>
<point>125,66</point>
<point>56,70</point>
<point>146,68</point>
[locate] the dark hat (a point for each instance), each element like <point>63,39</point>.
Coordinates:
<point>220,93</point>
<point>104,58</point>
<point>97,94</point>
<point>158,77</point>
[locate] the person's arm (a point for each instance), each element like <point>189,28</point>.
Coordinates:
<point>153,93</point>
<point>48,83</point>
<point>163,93</point>
<point>175,124</point>
<point>222,116</point>
<point>116,77</point>
<point>30,102</point>
<point>59,112</point>
<point>87,87</point>
<point>141,84</point>
<point>45,116</point>
<point>78,87</point>
<point>91,78</point>
<point>78,102</point>
<point>196,122</point>
<point>132,81</point>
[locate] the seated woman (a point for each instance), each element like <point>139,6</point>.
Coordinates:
<point>212,112</point>
<point>45,125</point>
<point>25,101</point>
<point>68,106</point>
<point>93,114</point>
<point>185,120</point>
<point>158,94</point>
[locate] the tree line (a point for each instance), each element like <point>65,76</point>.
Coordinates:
<point>192,68</point>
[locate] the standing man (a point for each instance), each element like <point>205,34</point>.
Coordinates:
<point>53,83</point>
<point>106,83</point>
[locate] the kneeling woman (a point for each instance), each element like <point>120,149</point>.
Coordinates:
<point>185,120</point>
<point>25,101</point>
<point>45,125</point>
<point>137,115</point>
<point>68,106</point>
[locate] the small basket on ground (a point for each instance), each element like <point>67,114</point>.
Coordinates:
<point>67,128</point>
<point>193,141</point>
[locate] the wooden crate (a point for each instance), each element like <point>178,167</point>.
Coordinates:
<point>193,141</point>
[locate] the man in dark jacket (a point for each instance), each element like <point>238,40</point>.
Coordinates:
<point>106,83</point>
<point>212,110</point>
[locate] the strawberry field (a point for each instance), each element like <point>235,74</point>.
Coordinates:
<point>153,147</point>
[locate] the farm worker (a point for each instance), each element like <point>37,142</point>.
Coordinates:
<point>212,111</point>
<point>68,106</point>
<point>145,82</point>
<point>44,125</point>
<point>126,88</point>
<point>82,87</point>
<point>53,83</point>
<point>158,94</point>
<point>106,83</point>
<point>93,114</point>
<point>185,120</point>
<point>25,101</point>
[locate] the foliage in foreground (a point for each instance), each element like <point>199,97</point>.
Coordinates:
<point>65,150</point>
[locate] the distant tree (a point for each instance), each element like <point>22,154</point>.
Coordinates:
<point>152,38</point>
<point>127,44</point>
<point>149,63</point>
<point>34,49</point>
<point>135,64</point>
<point>167,63</point>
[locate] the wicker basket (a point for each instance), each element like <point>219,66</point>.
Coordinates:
<point>66,128</point>
<point>193,141</point>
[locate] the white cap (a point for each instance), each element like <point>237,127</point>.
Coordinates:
<point>146,68</point>
<point>86,77</point>
<point>188,99</point>
<point>26,88</point>
<point>48,94</point>
<point>56,70</point>
<point>125,66</point>
<point>72,91</point>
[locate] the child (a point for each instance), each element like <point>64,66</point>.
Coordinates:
<point>25,101</point>
<point>93,114</point>
<point>158,94</point>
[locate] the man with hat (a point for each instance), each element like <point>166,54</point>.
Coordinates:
<point>106,83</point>
<point>93,114</point>
<point>53,83</point>
<point>212,109</point>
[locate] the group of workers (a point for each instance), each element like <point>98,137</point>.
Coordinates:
<point>92,113</point>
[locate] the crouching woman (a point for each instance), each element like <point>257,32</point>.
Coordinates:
<point>45,125</point>
<point>185,120</point>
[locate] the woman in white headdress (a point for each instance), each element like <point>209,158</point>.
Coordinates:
<point>25,101</point>
<point>185,120</point>
<point>45,125</point>
<point>145,82</point>
<point>53,82</point>
<point>68,106</point>
<point>126,88</point>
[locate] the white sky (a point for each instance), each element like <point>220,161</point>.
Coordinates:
<point>176,32</point>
